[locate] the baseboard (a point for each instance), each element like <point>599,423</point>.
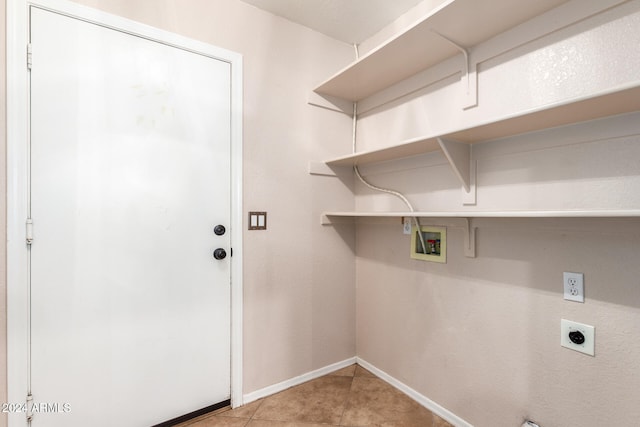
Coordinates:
<point>276,388</point>
<point>421,399</point>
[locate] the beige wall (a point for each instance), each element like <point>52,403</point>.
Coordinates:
<point>299,299</point>
<point>481,336</point>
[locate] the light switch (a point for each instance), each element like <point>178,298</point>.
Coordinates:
<point>257,220</point>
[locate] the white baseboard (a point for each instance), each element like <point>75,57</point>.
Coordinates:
<point>421,399</point>
<point>276,388</point>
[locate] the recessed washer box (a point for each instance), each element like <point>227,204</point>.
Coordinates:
<point>435,240</point>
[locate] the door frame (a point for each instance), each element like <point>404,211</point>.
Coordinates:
<point>18,312</point>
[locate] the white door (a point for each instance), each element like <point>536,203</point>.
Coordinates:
<point>130,174</point>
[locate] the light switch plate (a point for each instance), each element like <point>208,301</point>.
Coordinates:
<point>257,220</point>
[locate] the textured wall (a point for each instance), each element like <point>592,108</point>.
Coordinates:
<point>481,336</point>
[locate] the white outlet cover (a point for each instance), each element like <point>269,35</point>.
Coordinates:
<point>573,284</point>
<point>406,225</point>
<point>589,332</point>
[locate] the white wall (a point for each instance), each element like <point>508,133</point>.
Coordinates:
<point>481,336</point>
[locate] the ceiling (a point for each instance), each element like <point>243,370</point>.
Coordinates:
<point>350,21</point>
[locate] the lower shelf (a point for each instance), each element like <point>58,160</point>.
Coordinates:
<point>331,217</point>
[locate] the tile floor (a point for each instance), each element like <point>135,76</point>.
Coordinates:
<point>349,397</point>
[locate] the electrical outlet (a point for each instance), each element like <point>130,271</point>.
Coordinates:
<point>406,225</point>
<point>573,286</point>
<point>578,336</point>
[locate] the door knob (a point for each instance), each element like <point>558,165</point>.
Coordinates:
<point>219,230</point>
<point>219,253</point>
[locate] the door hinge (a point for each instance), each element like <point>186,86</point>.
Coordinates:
<point>29,411</point>
<point>29,231</point>
<point>29,56</point>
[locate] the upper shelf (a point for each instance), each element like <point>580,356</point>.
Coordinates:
<point>618,101</point>
<point>466,22</point>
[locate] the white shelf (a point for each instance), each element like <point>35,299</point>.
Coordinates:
<point>328,217</point>
<point>467,22</point>
<point>469,246</point>
<point>618,101</point>
<point>454,27</point>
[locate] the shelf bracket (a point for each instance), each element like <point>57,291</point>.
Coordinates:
<point>331,103</point>
<point>320,168</point>
<point>469,239</point>
<point>469,75</point>
<point>459,155</point>
<point>336,220</point>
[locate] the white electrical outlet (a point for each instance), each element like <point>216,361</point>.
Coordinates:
<point>573,286</point>
<point>406,225</point>
<point>578,336</point>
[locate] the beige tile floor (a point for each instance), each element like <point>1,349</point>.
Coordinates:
<point>349,397</point>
